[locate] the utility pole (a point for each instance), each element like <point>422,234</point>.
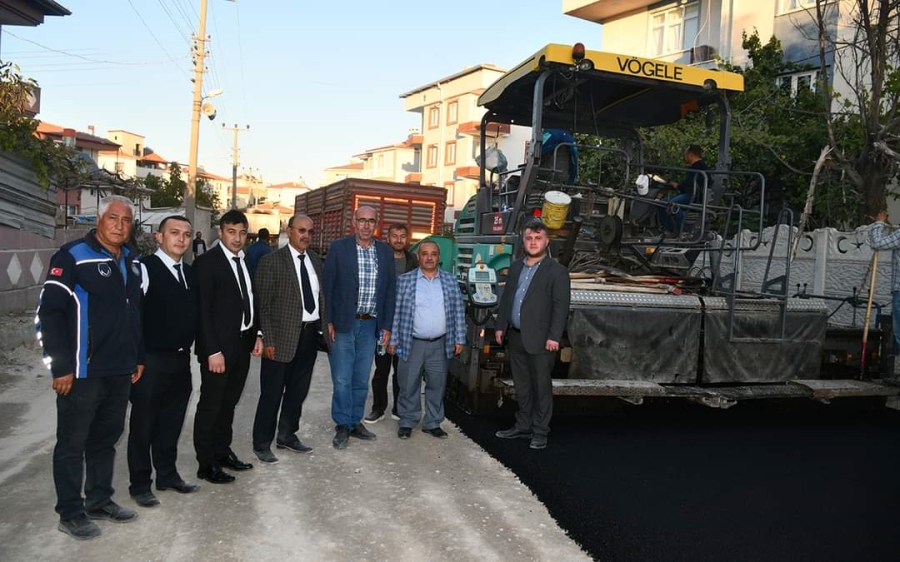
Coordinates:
<point>199,52</point>
<point>234,161</point>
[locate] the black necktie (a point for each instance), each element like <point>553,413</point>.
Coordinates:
<point>308,303</point>
<point>177,267</point>
<point>244,294</point>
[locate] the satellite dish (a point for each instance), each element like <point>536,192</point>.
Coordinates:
<point>209,110</point>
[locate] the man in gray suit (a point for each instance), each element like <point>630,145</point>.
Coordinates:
<point>291,305</point>
<point>532,314</point>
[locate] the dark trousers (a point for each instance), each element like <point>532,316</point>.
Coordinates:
<point>89,421</point>
<point>285,385</point>
<point>219,395</point>
<point>159,401</point>
<point>383,365</point>
<point>534,388</point>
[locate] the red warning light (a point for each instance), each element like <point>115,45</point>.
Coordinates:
<point>578,52</point>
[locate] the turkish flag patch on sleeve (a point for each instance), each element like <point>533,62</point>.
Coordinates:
<point>56,271</point>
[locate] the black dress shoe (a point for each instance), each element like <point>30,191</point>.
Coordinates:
<point>360,432</point>
<point>180,487</point>
<point>404,432</point>
<point>295,445</point>
<point>215,475</point>
<point>436,432</point>
<point>113,512</point>
<point>147,499</point>
<point>513,433</point>
<point>234,463</point>
<point>341,437</point>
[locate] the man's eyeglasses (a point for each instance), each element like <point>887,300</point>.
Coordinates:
<point>370,222</point>
<point>302,230</point>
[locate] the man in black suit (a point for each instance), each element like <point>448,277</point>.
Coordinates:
<point>226,337</point>
<point>532,313</point>
<point>160,398</point>
<point>289,285</point>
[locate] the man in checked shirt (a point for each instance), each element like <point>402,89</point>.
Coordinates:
<point>883,238</point>
<point>359,305</point>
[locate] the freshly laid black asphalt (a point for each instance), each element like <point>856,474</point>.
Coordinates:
<point>761,481</point>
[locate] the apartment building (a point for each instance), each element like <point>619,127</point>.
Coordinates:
<point>698,31</point>
<point>342,172</point>
<point>219,186</point>
<point>73,202</point>
<point>399,162</point>
<point>451,128</point>
<point>124,159</point>
<point>284,194</point>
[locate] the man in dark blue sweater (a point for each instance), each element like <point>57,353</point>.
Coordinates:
<point>89,323</point>
<point>690,189</point>
<point>160,399</point>
<point>257,250</point>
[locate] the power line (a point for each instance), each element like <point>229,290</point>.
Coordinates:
<point>237,6</point>
<point>51,69</point>
<point>82,57</point>
<point>185,36</point>
<point>223,83</point>
<point>150,31</point>
<point>184,14</point>
<point>42,53</point>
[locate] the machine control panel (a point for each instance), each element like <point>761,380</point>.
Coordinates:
<point>482,281</point>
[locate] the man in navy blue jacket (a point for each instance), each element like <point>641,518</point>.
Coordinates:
<point>359,304</point>
<point>90,327</point>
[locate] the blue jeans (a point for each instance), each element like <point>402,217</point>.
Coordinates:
<point>351,359</point>
<point>667,220</point>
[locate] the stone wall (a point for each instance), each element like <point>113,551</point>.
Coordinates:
<point>23,265</point>
<point>829,262</point>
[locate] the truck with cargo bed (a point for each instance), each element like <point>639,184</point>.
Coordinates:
<point>331,208</point>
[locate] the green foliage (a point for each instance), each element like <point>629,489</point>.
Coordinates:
<point>772,133</point>
<point>50,161</point>
<point>206,196</point>
<point>170,190</point>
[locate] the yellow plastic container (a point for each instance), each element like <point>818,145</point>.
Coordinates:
<point>556,207</point>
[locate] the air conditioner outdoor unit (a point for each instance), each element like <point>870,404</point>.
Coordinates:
<point>702,53</point>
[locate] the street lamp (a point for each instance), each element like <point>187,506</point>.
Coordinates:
<point>207,108</point>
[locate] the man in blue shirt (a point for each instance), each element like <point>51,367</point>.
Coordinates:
<point>359,303</point>
<point>257,250</point>
<point>429,328</point>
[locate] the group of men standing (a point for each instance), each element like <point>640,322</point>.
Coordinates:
<point>116,327</point>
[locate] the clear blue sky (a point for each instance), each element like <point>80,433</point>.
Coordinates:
<point>316,81</point>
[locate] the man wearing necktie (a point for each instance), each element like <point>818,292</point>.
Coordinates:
<point>227,336</point>
<point>289,287</point>
<point>160,398</point>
